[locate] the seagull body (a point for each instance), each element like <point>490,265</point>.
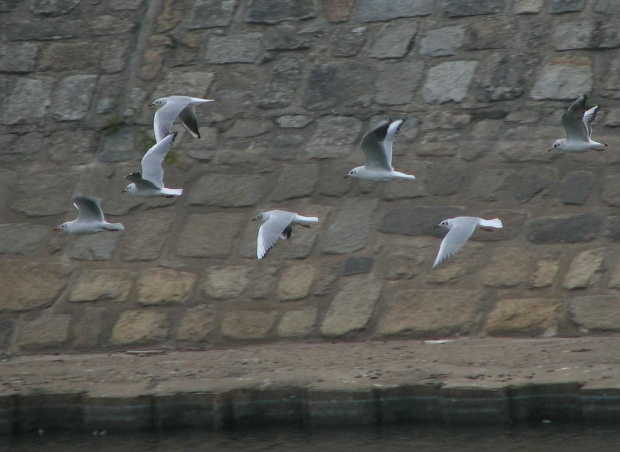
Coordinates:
<point>377,147</point>
<point>90,218</point>
<point>277,224</point>
<point>150,183</point>
<point>577,122</point>
<point>173,107</point>
<point>460,229</point>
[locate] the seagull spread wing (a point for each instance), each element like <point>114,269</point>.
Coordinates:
<point>455,239</point>
<point>377,144</point>
<point>272,230</point>
<point>166,115</point>
<point>188,119</point>
<point>588,118</point>
<point>152,160</point>
<point>574,122</point>
<point>89,209</point>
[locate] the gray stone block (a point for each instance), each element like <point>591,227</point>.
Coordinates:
<point>576,187</point>
<point>73,97</point>
<point>18,58</point>
<point>29,99</point>
<point>497,33</point>
<point>349,43</point>
<point>529,182</point>
<point>417,220</point>
<point>611,191</point>
<point>561,78</point>
<point>448,82</point>
<point>119,146</point>
<point>334,137</point>
<point>596,313</point>
<point>349,228</point>
<point>287,37</point>
<point>442,41</point>
<point>44,331</point>
<point>212,13</point>
<point>393,40</point>
<point>607,7</point>
<point>446,179</point>
<point>209,235</point>
<point>45,30</point>
<point>460,8</point>
<point>52,7</point>
<point>295,181</point>
<point>143,241</point>
<point>576,228</point>
<point>566,6</point>
<point>379,10</point>
<point>227,190</point>
<point>341,83</point>
<point>491,184</point>
<point>45,194</point>
<point>8,5</point>
<point>613,229</point>
<point>72,147</point>
<point>21,238</point>
<point>110,25</point>
<point>397,83</point>
<point>242,48</point>
<point>97,247</point>
<point>6,332</point>
<point>274,11</point>
<point>280,90</point>
<point>71,56</point>
<point>24,148</point>
<point>357,266</point>
<point>504,77</point>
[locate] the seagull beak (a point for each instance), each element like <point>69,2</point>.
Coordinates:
<point>346,176</point>
<point>57,229</point>
<point>124,191</point>
<point>253,219</point>
<point>436,226</point>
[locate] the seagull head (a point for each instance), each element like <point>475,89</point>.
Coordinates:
<point>63,227</point>
<point>444,224</point>
<point>353,172</point>
<point>557,145</point>
<point>159,102</point>
<point>262,217</point>
<point>131,188</point>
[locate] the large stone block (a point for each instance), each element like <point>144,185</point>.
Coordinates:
<point>119,146</point>
<point>351,308</point>
<point>52,7</point>
<point>146,238</point>
<point>95,247</point>
<point>378,10</point>
<point>403,257</point>
<point>102,284</point>
<point>195,84</point>
<point>297,323</point>
<point>334,137</point>
<point>295,282</point>
<point>394,40</point>
<point>596,313</point>
<point>545,270</point>
<point>504,77</point>
<point>524,316</point>
<point>227,190</point>
<point>527,6</point>
<point>495,33</point>
<point>575,228</point>
<point>340,83</point>
<point>611,192</point>
<point>25,286</point>
<point>566,6</point>
<point>576,187</point>
<point>247,324</point>
<point>585,270</point>
<point>466,261</point>
<point>29,99</point>
<point>534,181</point>
<point>417,220</point>
<point>45,30</point>
<point>349,229</point>
<point>613,229</point>
<point>295,181</point>
<point>562,77</point>
<point>196,324</point>
<point>81,56</point>
<point>279,92</point>
<point>140,327</point>
<point>448,82</point>
<point>111,25</point>
<point>492,184</point>
<point>349,42</point>
<point>73,97</point>
<point>18,58</point>
<point>72,147</point>
<point>288,37</point>
<point>209,235</point>
<point>87,331</point>
<point>158,286</point>
<point>224,283</point>
<point>460,8</point>
<point>446,179</point>
<point>40,195</point>
<point>397,83</point>
<point>274,11</point>
<point>246,128</point>
<point>45,331</point>
<point>607,7</point>
<point>431,312</point>
<point>243,48</point>
<point>508,267</point>
<point>21,238</point>
<point>442,41</point>
<point>212,13</point>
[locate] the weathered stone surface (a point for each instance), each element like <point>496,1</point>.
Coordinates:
<point>295,181</point>
<point>280,90</point>
<point>18,58</point>
<point>349,42</point>
<point>459,8</point>
<point>159,286</point>
<point>357,266</point>
<point>466,261</point>
<point>29,99</point>
<point>295,282</point>
<point>140,327</point>
<point>21,238</point>
<point>491,184</point>
<point>274,11</point>
<point>378,10</point>
<point>119,146</point>
<point>533,181</point>
<point>87,331</point>
<point>44,30</point>
<point>45,331</point>
<point>446,179</point>
<point>125,5</point>
<point>97,247</point>
<point>80,56</point>
<point>263,281</point>
<point>196,84</point>
<point>511,152</point>
<point>442,41</point>
<point>247,324</point>
<point>493,33</point>
<point>417,220</point>
<point>40,195</point>
<point>349,229</point>
<point>611,192</point>
<point>111,25</point>
<point>334,137</point>
<point>212,13</point>
<point>72,147</point>
<point>102,284</point>
<point>564,228</point>
<point>566,6</point>
<point>607,7</point>
<point>394,40</point>
<point>294,121</point>
<point>527,6</point>
<point>245,128</point>
<point>595,313</point>
<point>113,57</point>
<point>52,7</point>
<point>25,286</point>
<point>404,257</point>
<point>288,37</point>
<point>523,316</point>
<point>196,324</point>
<point>151,64</point>
<point>508,267</point>
<point>545,270</point>
<point>73,97</point>
<point>144,240</point>
<point>448,81</point>
<point>223,283</point>
<point>227,190</point>
<point>576,187</point>
<point>562,77</point>
<point>351,308</point>
<point>397,83</point>
<point>585,270</point>
<point>613,229</point>
<point>340,83</point>
<point>8,5</point>
<point>504,77</point>
<point>431,312</point>
<point>243,48</point>
<point>297,323</point>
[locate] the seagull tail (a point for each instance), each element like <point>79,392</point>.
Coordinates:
<point>114,227</point>
<point>302,219</point>
<point>169,192</point>
<point>494,223</point>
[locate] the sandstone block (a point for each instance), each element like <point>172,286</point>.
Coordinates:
<point>73,97</point>
<point>448,82</point>
<point>295,181</point>
<point>431,312</point>
<point>140,327</point>
<point>378,10</point>
<point>350,227</point>
<point>404,257</point>
<point>295,282</point>
<point>460,8</point>
<point>523,316</point>
<point>274,11</point>
<point>30,285</point>
<point>393,40</point>
<point>145,240</point>
<point>151,64</point>
<point>573,35</point>
<point>338,10</point>
<point>418,220</point>
<point>247,324</point>
<point>466,261</point>
<point>97,247</point>
<point>279,92</point>
<point>566,6</point>
<point>263,281</point>
<point>102,284</point>
<point>227,190</point>
<point>297,323</point>
<point>16,238</point>
<point>159,286</point>
<point>29,99</point>
<point>18,58</point>
<point>196,84</point>
<point>243,48</point>
<point>349,42</point>
<point>44,331</point>
<point>508,267</point>
<point>586,269</point>
<point>442,41</point>
<point>575,228</point>
<point>52,7</point>
<point>576,187</point>
<point>245,128</point>
<point>81,56</point>
<point>209,235</point>
<point>225,282</point>
<point>545,270</point>
<point>351,308</point>
<point>328,274</point>
<point>396,83</point>
<point>595,313</point>
<point>334,137</point>
<point>212,13</point>
<point>340,83</point>
<point>527,6</point>
<point>196,324</point>
<point>562,77</point>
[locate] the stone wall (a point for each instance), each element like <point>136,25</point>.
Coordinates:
<point>296,83</point>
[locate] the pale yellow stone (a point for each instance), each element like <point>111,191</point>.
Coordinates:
<point>545,271</point>
<point>103,284</point>
<point>225,282</point>
<point>295,282</point>
<point>44,331</point>
<point>164,286</point>
<point>140,327</point>
<point>508,267</point>
<point>528,6</point>
<point>297,323</point>
<point>585,270</point>
<point>524,316</point>
<point>465,261</point>
<point>247,324</point>
<point>196,324</point>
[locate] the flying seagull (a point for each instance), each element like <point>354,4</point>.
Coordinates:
<point>90,218</point>
<point>577,122</point>
<point>150,183</point>
<point>277,224</point>
<point>460,229</point>
<point>377,147</point>
<point>173,107</point>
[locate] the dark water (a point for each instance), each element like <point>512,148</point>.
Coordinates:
<point>547,438</point>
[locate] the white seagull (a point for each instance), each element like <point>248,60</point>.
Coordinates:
<point>173,107</point>
<point>460,229</point>
<point>150,183</point>
<point>377,147</point>
<point>277,224</point>
<point>90,217</point>
<point>577,122</point>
